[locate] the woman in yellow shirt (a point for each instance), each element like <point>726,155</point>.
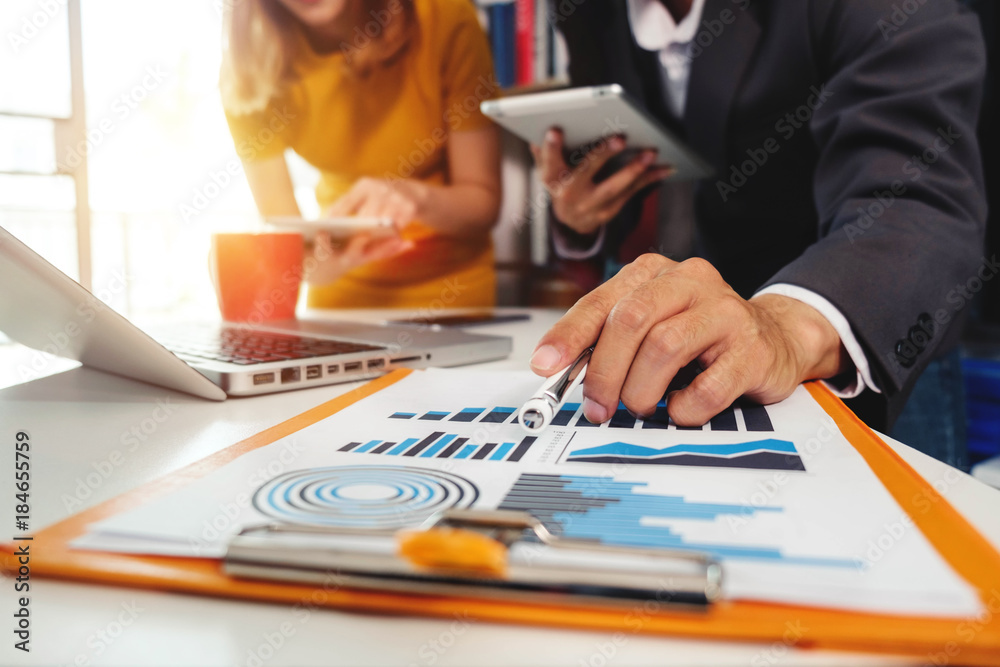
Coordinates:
<point>382,97</point>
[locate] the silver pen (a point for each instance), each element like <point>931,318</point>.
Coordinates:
<point>538,411</point>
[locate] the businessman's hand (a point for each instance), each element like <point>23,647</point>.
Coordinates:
<point>577,200</point>
<point>656,316</point>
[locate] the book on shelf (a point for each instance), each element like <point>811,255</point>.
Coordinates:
<point>524,44</point>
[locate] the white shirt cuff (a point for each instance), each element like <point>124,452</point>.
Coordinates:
<point>563,250</point>
<point>837,320</point>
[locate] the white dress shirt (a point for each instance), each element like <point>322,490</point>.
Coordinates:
<point>655,29</point>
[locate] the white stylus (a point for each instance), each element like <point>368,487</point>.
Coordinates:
<point>538,411</point>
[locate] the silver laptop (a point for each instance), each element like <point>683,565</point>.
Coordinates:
<point>45,309</point>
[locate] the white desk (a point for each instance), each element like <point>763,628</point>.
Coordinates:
<point>77,420</point>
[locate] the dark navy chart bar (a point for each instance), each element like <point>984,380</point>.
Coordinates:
<point>402,415</point>
<point>484,450</point>
<point>452,448</point>
<point>434,416</point>
<point>522,448</point>
<point>565,414</point>
<point>467,415</point>
<point>725,420</point>
<point>756,418</point>
<point>422,445</point>
<point>498,415</point>
<point>349,446</point>
<point>622,418</point>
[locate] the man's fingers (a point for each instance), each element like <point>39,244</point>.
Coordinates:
<point>611,208</point>
<point>582,324</point>
<point>711,392</point>
<point>620,181</point>
<point>583,174</point>
<point>627,327</point>
<point>549,158</point>
<point>669,346</point>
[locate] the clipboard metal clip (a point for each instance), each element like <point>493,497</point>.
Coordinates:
<point>495,554</point>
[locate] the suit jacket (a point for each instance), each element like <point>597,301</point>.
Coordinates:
<point>843,138</point>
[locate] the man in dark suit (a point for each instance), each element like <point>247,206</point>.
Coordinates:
<point>841,235</point>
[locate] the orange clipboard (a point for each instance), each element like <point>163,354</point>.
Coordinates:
<point>973,641</point>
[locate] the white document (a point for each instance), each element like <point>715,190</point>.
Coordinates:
<point>776,493</point>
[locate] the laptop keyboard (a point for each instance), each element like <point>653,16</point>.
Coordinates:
<point>240,346</point>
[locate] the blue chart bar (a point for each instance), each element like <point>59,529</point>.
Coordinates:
<point>402,415</point>
<point>371,444</point>
<point>434,416</point>
<point>613,512</point>
<point>502,451</point>
<point>423,444</point>
<point>498,415</point>
<point>402,447</point>
<point>436,447</point>
<point>466,452</point>
<point>467,415</point>
<point>445,446</point>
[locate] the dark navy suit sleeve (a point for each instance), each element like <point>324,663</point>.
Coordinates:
<point>898,185</point>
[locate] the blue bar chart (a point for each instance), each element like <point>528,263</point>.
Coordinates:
<point>607,511</point>
<point>742,416</point>
<point>496,415</point>
<point>443,445</point>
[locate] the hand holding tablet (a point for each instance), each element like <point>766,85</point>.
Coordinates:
<point>577,135</point>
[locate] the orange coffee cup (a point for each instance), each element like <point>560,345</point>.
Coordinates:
<point>256,275</point>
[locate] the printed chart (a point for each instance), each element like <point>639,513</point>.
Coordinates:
<point>612,512</point>
<point>363,496</point>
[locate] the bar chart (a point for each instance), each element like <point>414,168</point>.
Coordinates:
<point>443,445</point>
<point>607,511</point>
<point>742,416</point>
<point>768,454</point>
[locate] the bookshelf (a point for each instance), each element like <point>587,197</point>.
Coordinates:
<point>528,53</point>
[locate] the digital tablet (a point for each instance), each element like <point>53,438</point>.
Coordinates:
<point>339,228</point>
<point>587,115</point>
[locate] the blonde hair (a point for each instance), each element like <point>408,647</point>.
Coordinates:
<point>262,39</point>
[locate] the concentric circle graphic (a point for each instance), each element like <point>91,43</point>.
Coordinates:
<point>363,496</point>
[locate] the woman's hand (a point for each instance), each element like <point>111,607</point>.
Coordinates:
<point>329,261</point>
<point>401,200</point>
